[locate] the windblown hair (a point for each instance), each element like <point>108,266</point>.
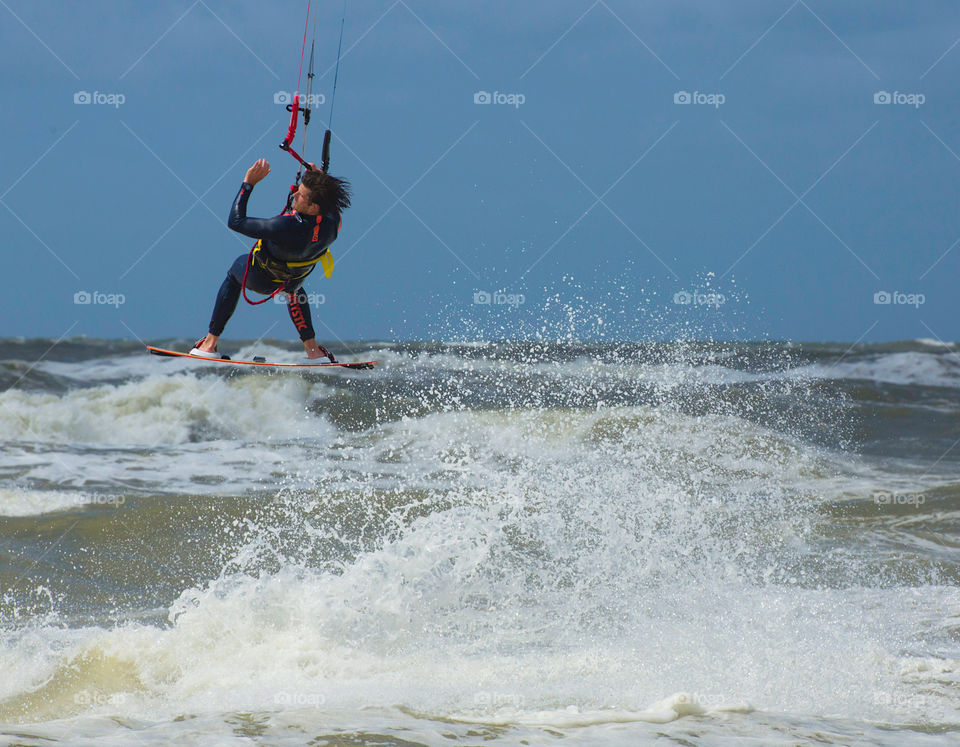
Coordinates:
<point>329,192</point>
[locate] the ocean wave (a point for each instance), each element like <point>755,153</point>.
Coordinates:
<point>14,502</point>
<point>505,541</point>
<point>164,410</point>
<point>904,368</point>
<point>917,362</point>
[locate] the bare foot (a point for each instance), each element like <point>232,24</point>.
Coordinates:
<point>208,344</point>
<point>317,351</point>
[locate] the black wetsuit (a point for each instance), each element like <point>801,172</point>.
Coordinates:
<point>293,237</point>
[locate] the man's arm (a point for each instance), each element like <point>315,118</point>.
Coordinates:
<point>255,228</point>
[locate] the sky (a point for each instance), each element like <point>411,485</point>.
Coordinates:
<point>755,169</point>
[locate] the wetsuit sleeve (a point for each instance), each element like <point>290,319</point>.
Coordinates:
<point>255,228</point>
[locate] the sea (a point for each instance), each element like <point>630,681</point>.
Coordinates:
<point>481,543</point>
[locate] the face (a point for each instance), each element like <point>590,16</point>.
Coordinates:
<point>301,202</point>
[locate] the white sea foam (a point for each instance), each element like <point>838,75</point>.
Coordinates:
<point>163,410</point>
<point>211,468</point>
<point>663,375</point>
<point>178,433</point>
<point>585,572</point>
<point>908,368</point>
<point>931,343</point>
<point>572,569</point>
<point>33,502</point>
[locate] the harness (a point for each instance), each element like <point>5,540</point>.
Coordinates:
<point>282,272</point>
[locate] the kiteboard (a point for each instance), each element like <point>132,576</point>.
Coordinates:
<point>258,361</point>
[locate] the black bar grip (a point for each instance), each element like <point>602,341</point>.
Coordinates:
<point>325,154</point>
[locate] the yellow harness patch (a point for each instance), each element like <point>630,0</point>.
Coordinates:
<point>272,265</point>
<point>326,261</point>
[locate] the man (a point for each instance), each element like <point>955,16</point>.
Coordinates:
<point>289,248</point>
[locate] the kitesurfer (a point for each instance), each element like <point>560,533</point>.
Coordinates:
<point>289,247</point>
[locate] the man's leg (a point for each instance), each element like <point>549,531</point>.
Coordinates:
<point>299,309</point>
<point>225,305</point>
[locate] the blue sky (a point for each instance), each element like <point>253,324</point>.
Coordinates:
<point>588,200</point>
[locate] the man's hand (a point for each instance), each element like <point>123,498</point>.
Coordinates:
<point>256,172</point>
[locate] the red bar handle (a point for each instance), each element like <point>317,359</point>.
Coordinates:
<point>294,111</point>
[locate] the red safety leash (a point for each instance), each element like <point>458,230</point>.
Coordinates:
<point>243,285</point>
